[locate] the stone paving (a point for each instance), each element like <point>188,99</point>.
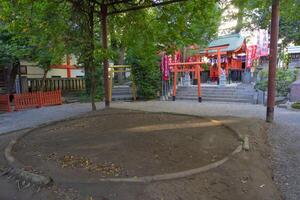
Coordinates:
<point>30,118</point>
<point>285,137</point>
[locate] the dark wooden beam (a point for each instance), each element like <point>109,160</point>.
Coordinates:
<point>105,47</point>
<point>139,7</point>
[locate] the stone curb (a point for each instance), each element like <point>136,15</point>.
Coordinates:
<point>18,171</point>
<point>177,175</point>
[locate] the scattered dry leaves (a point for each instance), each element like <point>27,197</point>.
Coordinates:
<point>72,161</point>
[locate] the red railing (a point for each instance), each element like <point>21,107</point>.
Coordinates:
<point>37,99</point>
<point>4,103</point>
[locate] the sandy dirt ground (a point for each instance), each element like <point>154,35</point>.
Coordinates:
<point>137,144</point>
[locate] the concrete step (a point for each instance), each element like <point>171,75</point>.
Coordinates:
<point>215,89</point>
<point>215,93</point>
<point>220,96</point>
<point>121,93</point>
<point>215,99</point>
<point>121,97</point>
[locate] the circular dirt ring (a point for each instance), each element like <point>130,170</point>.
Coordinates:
<point>117,144</point>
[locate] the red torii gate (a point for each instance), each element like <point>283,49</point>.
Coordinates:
<point>196,68</point>
<point>219,53</point>
<point>184,67</point>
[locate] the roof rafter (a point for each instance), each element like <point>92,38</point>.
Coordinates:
<point>121,6</point>
<point>144,5</point>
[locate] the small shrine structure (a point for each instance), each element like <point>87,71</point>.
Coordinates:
<point>229,53</point>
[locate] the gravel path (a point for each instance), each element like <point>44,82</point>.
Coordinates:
<point>285,137</point>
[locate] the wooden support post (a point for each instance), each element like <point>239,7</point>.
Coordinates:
<point>110,83</point>
<point>273,61</point>
<point>133,87</point>
<point>174,83</point>
<point>105,47</point>
<point>199,83</point>
<point>219,65</point>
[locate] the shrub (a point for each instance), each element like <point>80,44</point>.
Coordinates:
<point>147,79</point>
<point>99,89</point>
<point>284,78</point>
<point>296,105</point>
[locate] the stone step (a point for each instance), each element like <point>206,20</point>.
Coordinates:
<point>214,93</point>
<point>215,99</point>
<point>121,93</point>
<point>219,96</point>
<point>121,97</point>
<point>217,89</point>
<point>121,90</point>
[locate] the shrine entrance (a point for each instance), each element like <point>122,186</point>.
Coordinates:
<point>216,72</point>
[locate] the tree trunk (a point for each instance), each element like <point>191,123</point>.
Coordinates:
<point>91,55</point>
<point>43,86</point>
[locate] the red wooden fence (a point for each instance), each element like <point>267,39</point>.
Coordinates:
<point>37,99</point>
<point>4,103</point>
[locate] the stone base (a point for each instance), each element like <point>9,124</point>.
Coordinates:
<point>295,91</point>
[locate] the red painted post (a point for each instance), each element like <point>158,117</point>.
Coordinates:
<point>8,104</point>
<point>16,102</point>
<point>199,83</point>
<point>60,99</point>
<point>39,99</point>
<point>68,67</point>
<point>174,83</point>
<point>273,61</point>
<point>219,64</point>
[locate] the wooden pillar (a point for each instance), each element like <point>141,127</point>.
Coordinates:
<point>105,47</point>
<point>199,82</point>
<point>174,83</point>
<point>68,67</point>
<point>273,61</point>
<point>219,64</point>
<point>111,72</point>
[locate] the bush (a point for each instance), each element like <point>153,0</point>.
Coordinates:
<point>296,105</point>
<point>99,90</point>
<point>147,79</point>
<point>284,78</point>
<point>145,70</point>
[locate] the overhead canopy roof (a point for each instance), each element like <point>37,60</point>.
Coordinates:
<point>293,49</point>
<point>233,42</point>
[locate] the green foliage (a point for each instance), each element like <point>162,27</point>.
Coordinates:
<point>36,30</point>
<point>284,78</point>
<point>99,88</point>
<point>259,16</point>
<point>144,33</point>
<point>45,31</point>
<point>296,105</point>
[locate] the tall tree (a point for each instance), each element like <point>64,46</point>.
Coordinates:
<point>256,14</point>
<point>38,27</point>
<point>146,32</point>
